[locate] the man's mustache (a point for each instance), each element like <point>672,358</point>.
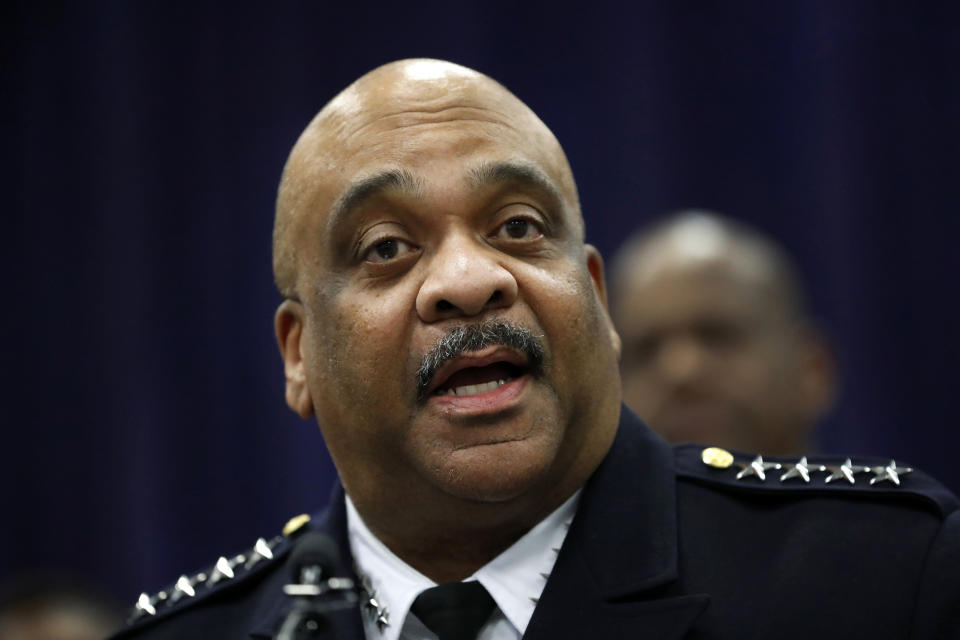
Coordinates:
<point>473,337</point>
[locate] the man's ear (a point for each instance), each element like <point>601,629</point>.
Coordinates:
<point>288,323</point>
<point>595,267</point>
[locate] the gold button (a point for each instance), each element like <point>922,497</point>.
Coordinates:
<point>716,457</point>
<point>295,523</point>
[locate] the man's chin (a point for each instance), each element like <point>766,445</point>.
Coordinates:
<point>494,472</point>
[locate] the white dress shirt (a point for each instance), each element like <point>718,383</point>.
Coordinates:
<point>515,578</point>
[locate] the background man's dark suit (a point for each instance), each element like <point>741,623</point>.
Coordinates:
<point>664,546</point>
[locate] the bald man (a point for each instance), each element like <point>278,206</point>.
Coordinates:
<point>718,346</point>
<point>446,325</point>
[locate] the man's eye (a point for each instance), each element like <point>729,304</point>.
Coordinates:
<point>721,334</point>
<point>520,229</point>
<point>386,250</point>
<point>643,351</point>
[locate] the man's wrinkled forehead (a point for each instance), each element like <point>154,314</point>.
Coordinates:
<point>420,87</point>
<point>419,92</point>
<point>414,94</point>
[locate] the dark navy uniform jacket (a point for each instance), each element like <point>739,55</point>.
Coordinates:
<point>664,546</point>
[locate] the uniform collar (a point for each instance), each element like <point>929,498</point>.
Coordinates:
<point>617,574</point>
<point>515,578</point>
<point>623,543</point>
<point>628,516</point>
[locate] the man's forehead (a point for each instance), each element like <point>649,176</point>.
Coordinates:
<point>411,82</point>
<point>684,293</point>
<point>699,257</point>
<point>710,279</point>
<point>397,113</point>
<point>413,93</point>
<point>462,151</point>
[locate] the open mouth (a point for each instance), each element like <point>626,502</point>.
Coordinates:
<point>474,381</point>
<point>478,360</point>
<point>478,372</point>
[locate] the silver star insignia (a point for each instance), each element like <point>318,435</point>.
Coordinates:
<point>223,569</point>
<point>845,471</point>
<point>183,588</point>
<point>148,605</point>
<point>371,606</point>
<point>756,467</point>
<point>144,607</point>
<point>261,551</point>
<point>801,470</point>
<point>889,473</point>
<point>377,612</point>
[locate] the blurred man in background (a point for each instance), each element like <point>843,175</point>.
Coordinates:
<point>55,607</point>
<point>718,346</point>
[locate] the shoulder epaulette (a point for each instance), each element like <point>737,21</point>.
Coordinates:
<point>880,477</point>
<point>226,573</point>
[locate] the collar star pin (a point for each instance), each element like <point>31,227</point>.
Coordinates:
<point>371,605</point>
<point>845,471</point>
<point>144,606</point>
<point>888,473</point>
<point>801,469</point>
<point>262,550</point>
<point>182,589</point>
<point>756,467</point>
<point>223,570</point>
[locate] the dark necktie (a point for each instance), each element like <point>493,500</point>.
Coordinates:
<point>454,611</point>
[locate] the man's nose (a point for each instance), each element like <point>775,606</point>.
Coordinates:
<point>465,279</point>
<point>681,359</point>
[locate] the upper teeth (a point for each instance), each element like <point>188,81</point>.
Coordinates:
<point>474,389</point>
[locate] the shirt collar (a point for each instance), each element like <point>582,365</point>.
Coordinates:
<point>515,578</point>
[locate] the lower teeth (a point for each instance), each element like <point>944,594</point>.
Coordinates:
<point>476,389</point>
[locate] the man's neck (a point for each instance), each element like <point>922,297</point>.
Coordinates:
<point>455,543</point>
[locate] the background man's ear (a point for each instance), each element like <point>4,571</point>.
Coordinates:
<point>595,267</point>
<point>288,324</point>
<point>818,375</point>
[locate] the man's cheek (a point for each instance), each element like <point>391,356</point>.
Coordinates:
<point>370,339</point>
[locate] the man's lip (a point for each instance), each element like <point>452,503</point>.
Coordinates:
<point>481,358</point>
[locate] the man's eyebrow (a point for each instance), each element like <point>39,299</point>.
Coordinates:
<point>494,173</point>
<point>396,180</point>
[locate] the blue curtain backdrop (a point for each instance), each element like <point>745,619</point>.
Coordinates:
<point>144,429</point>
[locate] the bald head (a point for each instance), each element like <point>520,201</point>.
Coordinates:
<point>705,242</point>
<point>718,346</point>
<point>362,117</point>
